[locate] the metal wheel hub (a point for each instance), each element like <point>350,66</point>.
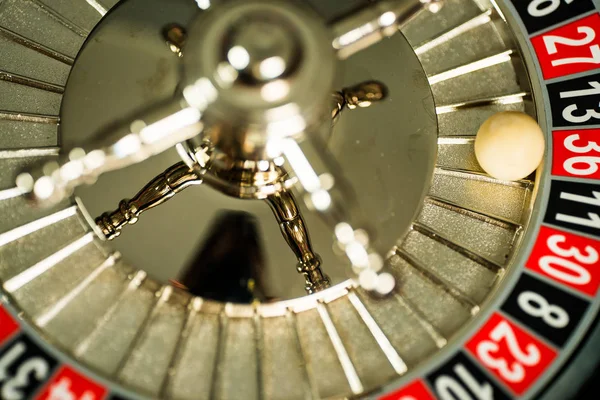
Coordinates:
<point>273,69</point>
<point>374,155</point>
<point>494,284</point>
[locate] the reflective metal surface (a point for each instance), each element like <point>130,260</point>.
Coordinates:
<point>159,190</point>
<point>194,305</point>
<point>145,55</point>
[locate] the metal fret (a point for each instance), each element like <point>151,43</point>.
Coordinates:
<point>35,46</point>
<point>462,298</point>
<point>97,6</point>
<point>34,83</point>
<point>32,152</point>
<point>448,205</point>
<point>310,390</point>
<point>28,117</point>
<point>60,305</point>
<point>24,230</point>
<point>384,344</point>
<point>258,341</point>
<point>464,69</point>
<point>61,20</point>
<point>46,264</point>
<point>473,23</point>
<point>439,340</point>
<point>11,193</point>
<point>479,176</point>
<point>438,237</point>
<point>345,361</point>
<point>194,307</point>
<point>165,293</point>
<point>133,285</point>
<point>217,373</point>
<point>483,102</point>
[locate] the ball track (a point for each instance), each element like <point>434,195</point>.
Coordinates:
<point>163,342</point>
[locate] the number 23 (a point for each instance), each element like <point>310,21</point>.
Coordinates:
<point>515,372</point>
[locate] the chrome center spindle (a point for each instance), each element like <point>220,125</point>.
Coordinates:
<point>261,51</point>
<point>272,67</point>
<point>256,86</point>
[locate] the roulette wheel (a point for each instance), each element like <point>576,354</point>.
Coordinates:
<point>355,121</point>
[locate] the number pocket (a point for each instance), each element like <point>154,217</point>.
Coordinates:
<point>570,48</point>
<point>551,42</point>
<point>511,353</point>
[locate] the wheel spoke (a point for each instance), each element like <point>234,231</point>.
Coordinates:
<point>327,191</point>
<point>135,139</point>
<point>369,25</point>
<point>295,233</point>
<point>156,192</point>
<point>362,95</point>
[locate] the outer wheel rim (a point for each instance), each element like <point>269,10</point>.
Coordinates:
<point>539,216</point>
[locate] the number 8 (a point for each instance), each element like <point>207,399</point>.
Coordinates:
<point>535,11</point>
<point>537,306</point>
